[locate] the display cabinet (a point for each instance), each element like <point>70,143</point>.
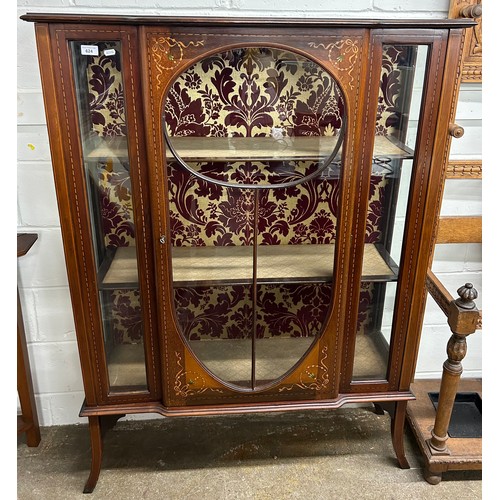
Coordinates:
<point>248,207</point>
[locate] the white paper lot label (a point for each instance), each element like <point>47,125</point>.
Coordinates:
<point>89,50</point>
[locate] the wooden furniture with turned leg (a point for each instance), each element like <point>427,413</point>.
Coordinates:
<point>430,420</point>
<point>462,318</point>
<point>247,207</point>
<point>430,425</point>
<point>27,422</point>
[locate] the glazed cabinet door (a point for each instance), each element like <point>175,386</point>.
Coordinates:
<point>96,71</point>
<point>254,149</point>
<point>252,209</point>
<point>405,95</point>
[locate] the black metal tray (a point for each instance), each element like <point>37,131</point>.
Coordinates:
<point>466,416</point>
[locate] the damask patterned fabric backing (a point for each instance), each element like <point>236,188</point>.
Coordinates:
<point>282,310</point>
<point>396,60</point>
<point>117,217</point>
<point>225,312</point>
<point>106,99</point>
<point>247,93</point>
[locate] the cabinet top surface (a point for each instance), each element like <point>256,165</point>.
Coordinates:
<point>247,21</point>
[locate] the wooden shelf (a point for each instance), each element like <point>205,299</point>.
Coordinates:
<point>126,366</point>
<point>228,149</point>
<point>233,265</point>
<point>269,149</point>
<point>115,147</point>
<point>231,359</point>
<point>24,242</point>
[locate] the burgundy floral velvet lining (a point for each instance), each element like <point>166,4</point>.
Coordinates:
<point>117,222</point>
<point>106,100</point>
<point>396,58</point>
<point>126,316</point>
<point>284,92</point>
<point>246,92</point>
<point>203,214</point>
<point>226,312</point>
<point>230,95</point>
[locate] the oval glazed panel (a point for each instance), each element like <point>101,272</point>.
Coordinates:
<point>254,140</point>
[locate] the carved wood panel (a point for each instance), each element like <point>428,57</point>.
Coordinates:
<point>473,48</point>
<point>464,169</point>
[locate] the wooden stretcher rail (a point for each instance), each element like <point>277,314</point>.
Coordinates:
<point>443,298</point>
<point>438,292</point>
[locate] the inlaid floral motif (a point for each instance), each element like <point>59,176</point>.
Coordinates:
<point>189,383</point>
<point>342,54</point>
<point>312,377</point>
<point>167,53</point>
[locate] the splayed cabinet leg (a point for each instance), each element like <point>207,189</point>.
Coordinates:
<point>397,411</point>
<point>99,426</point>
<point>96,446</point>
<point>397,433</point>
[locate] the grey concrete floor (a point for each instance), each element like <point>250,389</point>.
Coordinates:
<point>342,454</point>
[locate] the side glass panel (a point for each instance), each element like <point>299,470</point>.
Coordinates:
<point>254,140</point>
<point>103,129</point>
<point>399,103</point>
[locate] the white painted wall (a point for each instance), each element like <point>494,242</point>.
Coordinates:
<point>42,275</point>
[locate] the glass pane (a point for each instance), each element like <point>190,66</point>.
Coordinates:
<point>292,309</point>
<point>254,140</point>
<point>254,116</point>
<point>400,99</point>
<point>213,293</point>
<point>103,129</point>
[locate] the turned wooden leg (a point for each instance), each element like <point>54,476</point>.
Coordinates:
<point>397,433</point>
<point>462,318</point>
<point>96,445</point>
<point>452,369</point>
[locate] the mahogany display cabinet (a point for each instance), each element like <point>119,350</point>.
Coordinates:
<point>248,207</point>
